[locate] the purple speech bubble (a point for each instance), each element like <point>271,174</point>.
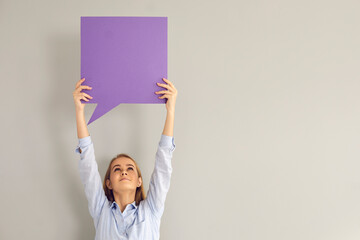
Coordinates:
<point>122,59</point>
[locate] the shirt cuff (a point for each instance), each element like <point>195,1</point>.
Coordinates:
<point>83,142</point>
<point>167,141</point>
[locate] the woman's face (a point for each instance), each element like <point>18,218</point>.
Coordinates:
<point>123,175</point>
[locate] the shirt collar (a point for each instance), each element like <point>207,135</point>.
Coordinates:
<point>114,205</point>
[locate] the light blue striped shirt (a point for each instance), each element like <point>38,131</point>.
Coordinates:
<point>136,222</point>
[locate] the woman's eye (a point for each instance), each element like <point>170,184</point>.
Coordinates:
<point>119,169</point>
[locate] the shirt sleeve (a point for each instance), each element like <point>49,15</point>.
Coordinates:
<point>90,178</point>
<point>160,177</point>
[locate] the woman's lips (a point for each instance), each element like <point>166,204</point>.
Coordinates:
<point>124,179</point>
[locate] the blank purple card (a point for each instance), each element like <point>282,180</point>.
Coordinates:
<point>122,59</point>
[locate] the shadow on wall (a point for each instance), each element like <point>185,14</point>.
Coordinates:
<point>64,53</point>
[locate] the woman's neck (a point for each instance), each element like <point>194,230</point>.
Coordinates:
<point>123,199</point>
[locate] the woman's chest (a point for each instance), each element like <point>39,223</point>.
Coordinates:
<point>134,226</point>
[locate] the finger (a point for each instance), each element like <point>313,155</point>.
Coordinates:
<point>164,96</point>
<point>162,92</point>
<point>87,95</point>
<point>83,87</point>
<point>79,82</point>
<point>167,81</point>
<point>164,85</point>
<point>84,98</point>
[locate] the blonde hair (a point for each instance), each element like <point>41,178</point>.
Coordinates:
<point>139,195</point>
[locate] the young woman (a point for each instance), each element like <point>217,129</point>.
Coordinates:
<point>118,206</point>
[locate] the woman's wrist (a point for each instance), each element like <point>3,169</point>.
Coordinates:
<point>79,111</point>
<point>170,112</point>
<point>169,124</point>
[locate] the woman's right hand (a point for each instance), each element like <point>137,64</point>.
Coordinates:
<point>80,95</point>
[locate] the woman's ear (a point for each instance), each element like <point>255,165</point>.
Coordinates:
<point>108,184</point>
<point>139,182</point>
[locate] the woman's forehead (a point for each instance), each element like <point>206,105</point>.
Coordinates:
<point>123,161</point>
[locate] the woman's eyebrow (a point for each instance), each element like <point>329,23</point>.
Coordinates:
<point>126,165</point>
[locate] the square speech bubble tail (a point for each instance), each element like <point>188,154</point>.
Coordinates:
<point>100,110</point>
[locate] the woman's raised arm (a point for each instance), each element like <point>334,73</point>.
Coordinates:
<point>170,93</point>
<point>82,130</point>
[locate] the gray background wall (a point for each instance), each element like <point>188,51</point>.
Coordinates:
<point>267,120</point>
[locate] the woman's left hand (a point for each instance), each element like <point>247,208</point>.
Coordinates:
<point>170,94</point>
